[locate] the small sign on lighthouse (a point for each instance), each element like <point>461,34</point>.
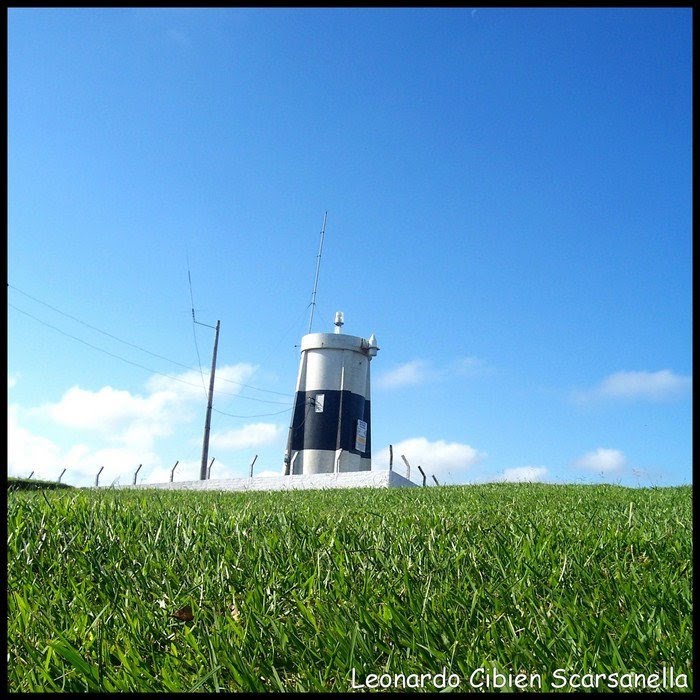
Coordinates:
<point>361,438</point>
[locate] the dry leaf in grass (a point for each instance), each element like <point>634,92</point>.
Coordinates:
<point>184,614</point>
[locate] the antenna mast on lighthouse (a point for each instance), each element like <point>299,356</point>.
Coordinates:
<point>318,267</point>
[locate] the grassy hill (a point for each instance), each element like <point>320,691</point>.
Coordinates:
<point>199,591</point>
<point>18,484</point>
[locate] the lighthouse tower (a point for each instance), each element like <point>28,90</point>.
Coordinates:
<point>330,430</point>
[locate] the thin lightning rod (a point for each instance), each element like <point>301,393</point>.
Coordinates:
<point>318,267</point>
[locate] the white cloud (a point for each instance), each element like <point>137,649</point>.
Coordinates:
<point>137,420</point>
<point>471,367</point>
<point>649,385</point>
<point>107,410</point>
<point>27,452</point>
<point>125,427</point>
<point>420,371</point>
<point>117,415</point>
<point>193,384</point>
<point>185,471</point>
<point>268,473</point>
<point>252,435</point>
<point>602,460</point>
<point>529,474</point>
<point>449,461</point>
<point>407,374</point>
<point>652,386</point>
<point>190,471</point>
<point>11,380</point>
<point>119,462</point>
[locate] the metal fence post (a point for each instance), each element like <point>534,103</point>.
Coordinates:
<point>408,466</point>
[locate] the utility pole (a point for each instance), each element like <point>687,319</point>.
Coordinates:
<point>207,424</point>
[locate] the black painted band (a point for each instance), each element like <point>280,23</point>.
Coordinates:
<point>319,430</point>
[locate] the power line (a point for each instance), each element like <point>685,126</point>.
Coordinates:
<point>136,364</point>
<point>133,345</point>
<point>258,415</point>
<point>94,347</point>
<point>194,330</point>
<point>94,328</point>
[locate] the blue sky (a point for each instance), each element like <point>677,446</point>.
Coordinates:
<point>509,211</point>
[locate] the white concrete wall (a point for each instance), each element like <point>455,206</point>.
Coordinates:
<point>377,479</point>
